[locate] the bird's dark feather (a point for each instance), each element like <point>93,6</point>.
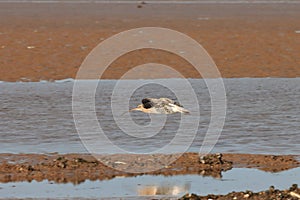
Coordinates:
<point>147,103</point>
<point>146,100</point>
<point>178,104</point>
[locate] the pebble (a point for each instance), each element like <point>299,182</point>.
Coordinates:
<point>293,187</point>
<point>120,162</point>
<point>271,188</point>
<point>294,194</point>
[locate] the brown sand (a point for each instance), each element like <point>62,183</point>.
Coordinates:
<point>49,41</point>
<point>76,168</point>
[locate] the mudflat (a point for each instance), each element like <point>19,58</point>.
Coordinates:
<point>76,168</point>
<point>49,41</point>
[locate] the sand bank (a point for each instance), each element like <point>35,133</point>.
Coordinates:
<point>49,41</point>
<point>76,168</point>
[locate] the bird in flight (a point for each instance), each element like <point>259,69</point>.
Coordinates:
<point>160,106</point>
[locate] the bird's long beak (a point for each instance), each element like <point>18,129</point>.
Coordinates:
<point>133,109</point>
<point>129,111</point>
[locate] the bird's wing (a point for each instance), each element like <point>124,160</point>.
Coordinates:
<point>151,102</point>
<point>167,100</point>
<point>163,105</point>
<point>167,108</point>
<point>178,104</point>
<point>173,108</point>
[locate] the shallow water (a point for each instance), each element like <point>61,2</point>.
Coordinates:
<point>263,116</point>
<point>160,186</point>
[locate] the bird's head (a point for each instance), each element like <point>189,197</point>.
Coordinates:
<point>139,107</point>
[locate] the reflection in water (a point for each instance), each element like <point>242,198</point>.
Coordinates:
<point>158,186</point>
<point>163,189</point>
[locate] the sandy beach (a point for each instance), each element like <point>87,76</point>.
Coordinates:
<point>49,41</point>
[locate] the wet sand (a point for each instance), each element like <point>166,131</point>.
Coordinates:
<point>50,41</point>
<point>76,168</point>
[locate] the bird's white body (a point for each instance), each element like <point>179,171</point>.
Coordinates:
<point>160,106</point>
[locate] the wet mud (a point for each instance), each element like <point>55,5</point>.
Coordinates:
<point>293,193</point>
<point>244,40</point>
<point>77,168</point>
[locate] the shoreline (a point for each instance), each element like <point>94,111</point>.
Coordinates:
<point>73,80</point>
<point>77,168</point>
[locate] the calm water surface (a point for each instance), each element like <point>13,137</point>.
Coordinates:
<point>143,187</point>
<point>263,116</point>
